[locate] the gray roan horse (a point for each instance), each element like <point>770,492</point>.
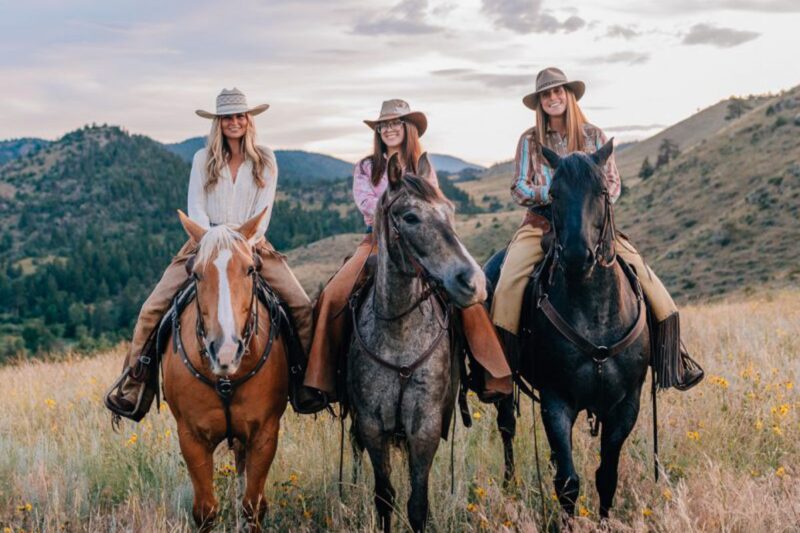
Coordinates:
<point>402,379</point>
<point>584,338</point>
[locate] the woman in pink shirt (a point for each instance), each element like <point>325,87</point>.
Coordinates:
<point>397,131</point>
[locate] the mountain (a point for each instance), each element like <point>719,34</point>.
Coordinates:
<point>293,165</point>
<point>15,148</point>
<point>451,165</point>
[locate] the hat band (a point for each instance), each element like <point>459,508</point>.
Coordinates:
<point>547,84</point>
<point>231,109</point>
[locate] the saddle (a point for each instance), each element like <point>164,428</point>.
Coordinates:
<point>149,363</point>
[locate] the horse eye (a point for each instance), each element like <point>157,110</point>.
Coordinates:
<point>411,218</point>
<point>251,270</point>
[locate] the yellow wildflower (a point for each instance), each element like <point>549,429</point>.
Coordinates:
<point>777,430</point>
<point>471,507</point>
<point>293,478</point>
<point>789,385</point>
<point>780,471</point>
<point>7,530</point>
<point>479,492</point>
<point>719,381</point>
<point>759,425</point>
<point>646,512</point>
<point>167,433</point>
<point>583,511</point>
<point>693,435</point>
<point>667,494</point>
<point>25,508</point>
<point>132,440</point>
<point>307,514</point>
<point>49,402</point>
<point>476,415</point>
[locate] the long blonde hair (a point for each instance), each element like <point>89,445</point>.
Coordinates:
<point>219,153</point>
<point>575,120</point>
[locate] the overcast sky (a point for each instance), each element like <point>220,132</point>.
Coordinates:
<point>324,65</point>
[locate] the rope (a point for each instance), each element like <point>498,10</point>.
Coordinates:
<point>538,468</point>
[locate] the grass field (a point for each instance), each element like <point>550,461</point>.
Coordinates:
<point>729,449</point>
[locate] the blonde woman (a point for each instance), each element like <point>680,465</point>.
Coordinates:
<point>397,130</point>
<point>562,127</point>
<point>231,180</point>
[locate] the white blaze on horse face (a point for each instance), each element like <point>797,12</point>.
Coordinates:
<point>226,353</point>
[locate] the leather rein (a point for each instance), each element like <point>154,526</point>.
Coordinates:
<point>224,386</point>
<point>432,288</point>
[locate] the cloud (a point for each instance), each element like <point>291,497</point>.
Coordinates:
<point>684,7</point>
<point>716,36</point>
<point>525,16</point>
<point>625,32</point>
<point>635,127</point>
<point>405,18</point>
<point>488,79</point>
<point>631,58</point>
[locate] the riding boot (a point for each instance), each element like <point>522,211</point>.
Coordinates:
<point>488,352</point>
<point>129,393</point>
<point>692,373</point>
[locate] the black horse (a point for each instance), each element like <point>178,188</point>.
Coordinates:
<point>583,339</point>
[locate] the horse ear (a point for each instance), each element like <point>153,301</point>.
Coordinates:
<point>553,159</point>
<point>601,156</point>
<point>394,172</point>
<point>424,166</point>
<point>193,229</point>
<point>249,229</point>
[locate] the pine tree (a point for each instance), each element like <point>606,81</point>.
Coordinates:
<point>647,169</point>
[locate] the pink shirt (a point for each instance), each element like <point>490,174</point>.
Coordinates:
<point>367,195</point>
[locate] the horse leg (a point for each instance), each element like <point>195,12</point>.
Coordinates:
<point>558,418</point>
<point>507,426</point>
<point>421,450</point>
<point>240,460</point>
<point>199,458</point>
<point>357,447</point>
<point>260,453</point>
<point>378,450</point>
<point>617,425</point>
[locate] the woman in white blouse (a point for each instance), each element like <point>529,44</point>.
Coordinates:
<point>231,180</point>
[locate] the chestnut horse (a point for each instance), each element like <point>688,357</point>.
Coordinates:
<point>227,349</point>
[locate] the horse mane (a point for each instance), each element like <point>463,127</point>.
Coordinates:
<point>577,170</point>
<point>214,241</point>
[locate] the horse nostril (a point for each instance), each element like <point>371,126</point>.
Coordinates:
<point>464,279</point>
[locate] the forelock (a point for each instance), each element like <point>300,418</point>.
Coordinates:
<point>215,240</point>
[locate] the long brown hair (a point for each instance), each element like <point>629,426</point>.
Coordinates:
<point>410,152</point>
<point>575,120</point>
<point>219,153</point>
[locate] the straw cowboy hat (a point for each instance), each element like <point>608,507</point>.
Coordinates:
<point>232,102</point>
<point>549,78</point>
<point>392,109</point>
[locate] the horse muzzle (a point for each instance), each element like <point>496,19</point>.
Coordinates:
<point>225,356</point>
<point>466,287</point>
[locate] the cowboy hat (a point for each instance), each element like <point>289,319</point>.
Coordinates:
<point>549,78</point>
<point>232,102</point>
<point>392,109</point>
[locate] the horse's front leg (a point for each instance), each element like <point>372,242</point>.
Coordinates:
<point>507,426</point>
<point>199,458</point>
<point>421,451</point>
<point>377,446</point>
<point>259,452</point>
<point>558,418</point>
<point>617,425</point>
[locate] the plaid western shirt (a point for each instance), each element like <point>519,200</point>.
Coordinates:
<point>533,176</point>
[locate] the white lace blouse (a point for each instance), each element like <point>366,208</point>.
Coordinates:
<point>228,202</point>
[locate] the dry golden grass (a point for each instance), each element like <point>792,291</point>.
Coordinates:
<point>729,449</point>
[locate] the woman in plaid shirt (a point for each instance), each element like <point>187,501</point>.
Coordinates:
<point>562,127</point>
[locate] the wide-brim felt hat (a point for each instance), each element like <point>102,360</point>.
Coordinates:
<point>549,78</point>
<point>232,102</point>
<point>396,108</point>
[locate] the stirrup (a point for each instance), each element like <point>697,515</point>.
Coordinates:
<point>693,373</point>
<point>309,401</point>
<point>114,392</point>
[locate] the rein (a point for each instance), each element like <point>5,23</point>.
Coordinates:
<point>223,386</point>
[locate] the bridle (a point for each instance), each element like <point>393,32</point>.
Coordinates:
<point>224,386</point>
<point>432,288</point>
<point>604,252</point>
